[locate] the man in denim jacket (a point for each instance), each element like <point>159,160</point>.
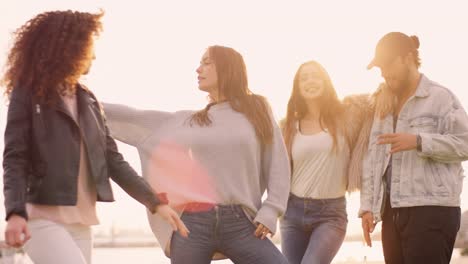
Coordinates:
<point>412,173</point>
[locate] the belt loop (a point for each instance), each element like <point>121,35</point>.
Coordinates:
<point>236,208</point>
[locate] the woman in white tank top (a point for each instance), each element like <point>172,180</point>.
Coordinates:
<point>320,133</point>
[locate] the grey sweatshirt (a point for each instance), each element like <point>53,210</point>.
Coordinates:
<point>228,150</point>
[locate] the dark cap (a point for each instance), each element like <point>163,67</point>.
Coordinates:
<point>392,45</point>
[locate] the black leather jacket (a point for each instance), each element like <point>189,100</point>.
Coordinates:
<point>42,154</point>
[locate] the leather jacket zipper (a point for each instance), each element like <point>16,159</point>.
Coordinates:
<point>38,113</point>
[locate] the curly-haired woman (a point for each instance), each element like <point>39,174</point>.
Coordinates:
<point>58,155</point>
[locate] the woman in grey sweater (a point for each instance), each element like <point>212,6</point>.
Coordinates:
<point>215,165</point>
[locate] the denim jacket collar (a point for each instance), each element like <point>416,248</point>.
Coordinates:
<point>423,87</point>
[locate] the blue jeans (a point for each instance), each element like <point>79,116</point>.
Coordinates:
<point>312,230</point>
<point>224,229</point>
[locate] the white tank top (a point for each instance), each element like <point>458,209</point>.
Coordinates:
<point>318,171</point>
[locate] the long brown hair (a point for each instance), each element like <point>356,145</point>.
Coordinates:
<point>233,85</point>
<point>51,51</point>
<point>331,109</point>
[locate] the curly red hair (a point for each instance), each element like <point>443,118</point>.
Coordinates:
<point>51,51</point>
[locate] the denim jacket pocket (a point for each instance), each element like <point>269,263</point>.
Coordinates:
<point>436,186</point>
<point>423,124</point>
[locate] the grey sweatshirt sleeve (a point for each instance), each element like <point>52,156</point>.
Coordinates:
<point>130,125</point>
<point>276,175</point>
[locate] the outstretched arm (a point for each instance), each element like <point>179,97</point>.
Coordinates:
<point>132,126</point>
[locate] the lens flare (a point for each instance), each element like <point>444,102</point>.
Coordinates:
<point>174,170</point>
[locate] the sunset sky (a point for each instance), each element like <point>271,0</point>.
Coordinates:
<point>149,50</point>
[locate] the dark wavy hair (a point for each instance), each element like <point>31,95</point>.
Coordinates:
<point>51,51</point>
<point>233,85</point>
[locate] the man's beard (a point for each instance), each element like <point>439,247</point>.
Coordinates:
<point>402,87</point>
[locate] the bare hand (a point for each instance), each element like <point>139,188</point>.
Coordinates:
<point>368,225</point>
<point>168,214</point>
<point>399,141</point>
<point>17,232</point>
<point>262,231</point>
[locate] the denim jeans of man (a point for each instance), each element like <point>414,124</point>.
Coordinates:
<point>420,234</point>
<point>224,229</point>
<point>312,230</point>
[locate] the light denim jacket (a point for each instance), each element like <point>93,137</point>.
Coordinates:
<point>432,176</point>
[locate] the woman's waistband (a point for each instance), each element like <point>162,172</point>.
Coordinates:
<point>293,197</point>
<point>197,207</point>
